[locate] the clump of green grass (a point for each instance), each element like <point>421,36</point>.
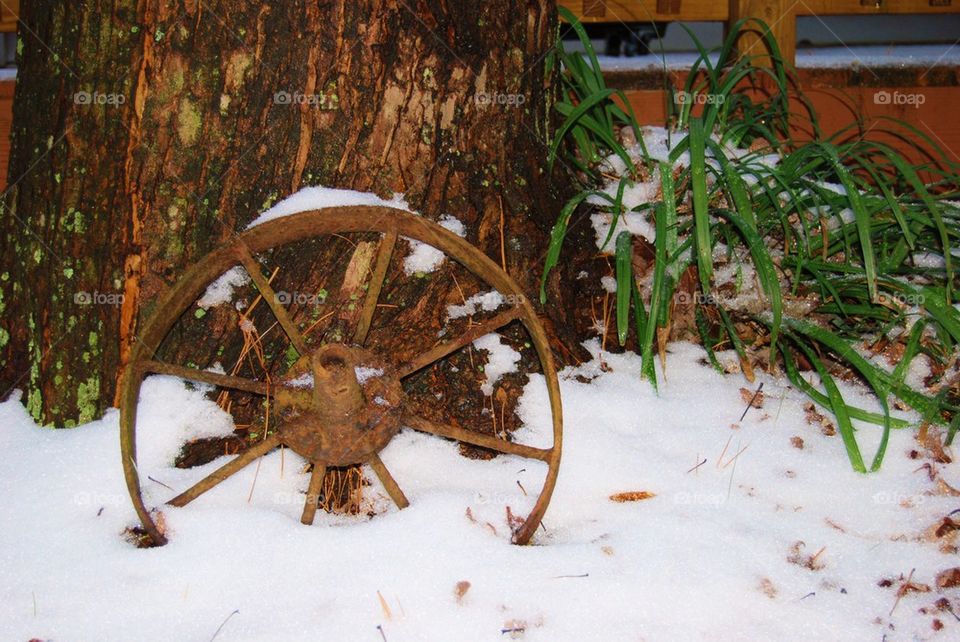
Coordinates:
<point>837,222</point>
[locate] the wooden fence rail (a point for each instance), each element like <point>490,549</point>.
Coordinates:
<point>780,15</point>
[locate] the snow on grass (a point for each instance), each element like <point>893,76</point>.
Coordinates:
<point>425,258</point>
<point>221,290</point>
<point>705,558</point>
<point>639,194</point>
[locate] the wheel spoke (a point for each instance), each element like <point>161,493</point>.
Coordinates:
<point>475,438</point>
<point>313,494</point>
<point>220,474</point>
<point>266,291</point>
<point>203,376</point>
<point>472,334</point>
<point>389,483</point>
<point>376,283</point>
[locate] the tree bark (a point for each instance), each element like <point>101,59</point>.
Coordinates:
<point>145,133</point>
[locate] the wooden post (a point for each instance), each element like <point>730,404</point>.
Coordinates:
<point>779,15</point>
<point>9,13</point>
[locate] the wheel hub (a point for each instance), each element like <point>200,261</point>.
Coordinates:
<point>339,405</point>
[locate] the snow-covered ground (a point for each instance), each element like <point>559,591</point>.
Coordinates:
<point>758,529</point>
<point>899,56</point>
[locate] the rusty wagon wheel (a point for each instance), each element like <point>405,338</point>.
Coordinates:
<point>332,417</point>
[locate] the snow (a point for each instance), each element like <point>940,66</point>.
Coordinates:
<point>169,424</point>
<point>840,57</point>
<point>364,373</point>
<point>705,558</point>
<point>637,223</point>
<point>221,290</point>
<point>660,143</point>
<point>609,284</point>
<point>501,360</point>
<point>319,197</point>
<point>425,258</point>
<point>422,259</point>
<point>652,62</point>
<point>486,301</point>
<point>928,260</point>
<point>635,194</point>
<point>639,194</point>
<point>900,56</point>
<point>303,381</point>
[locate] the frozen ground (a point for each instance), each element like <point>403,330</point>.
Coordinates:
<point>721,552</point>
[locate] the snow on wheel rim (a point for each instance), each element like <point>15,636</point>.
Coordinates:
<point>390,223</point>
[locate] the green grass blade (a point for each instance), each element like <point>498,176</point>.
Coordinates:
<point>766,272</point>
<point>734,337</point>
<point>793,374</point>
<point>839,409</point>
<point>701,215</point>
<point>639,313</point>
<point>708,344</point>
<point>624,260</point>
<point>877,379</point>
<point>671,236</point>
<point>557,234</point>
<point>910,351</point>
<point>934,301</point>
<point>862,218</point>
<point>658,297</point>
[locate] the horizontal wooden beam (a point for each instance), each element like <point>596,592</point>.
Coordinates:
<point>883,7</point>
<point>614,11</point>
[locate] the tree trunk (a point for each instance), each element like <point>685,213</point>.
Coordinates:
<point>147,132</point>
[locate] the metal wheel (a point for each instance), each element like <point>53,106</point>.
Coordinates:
<point>332,417</point>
